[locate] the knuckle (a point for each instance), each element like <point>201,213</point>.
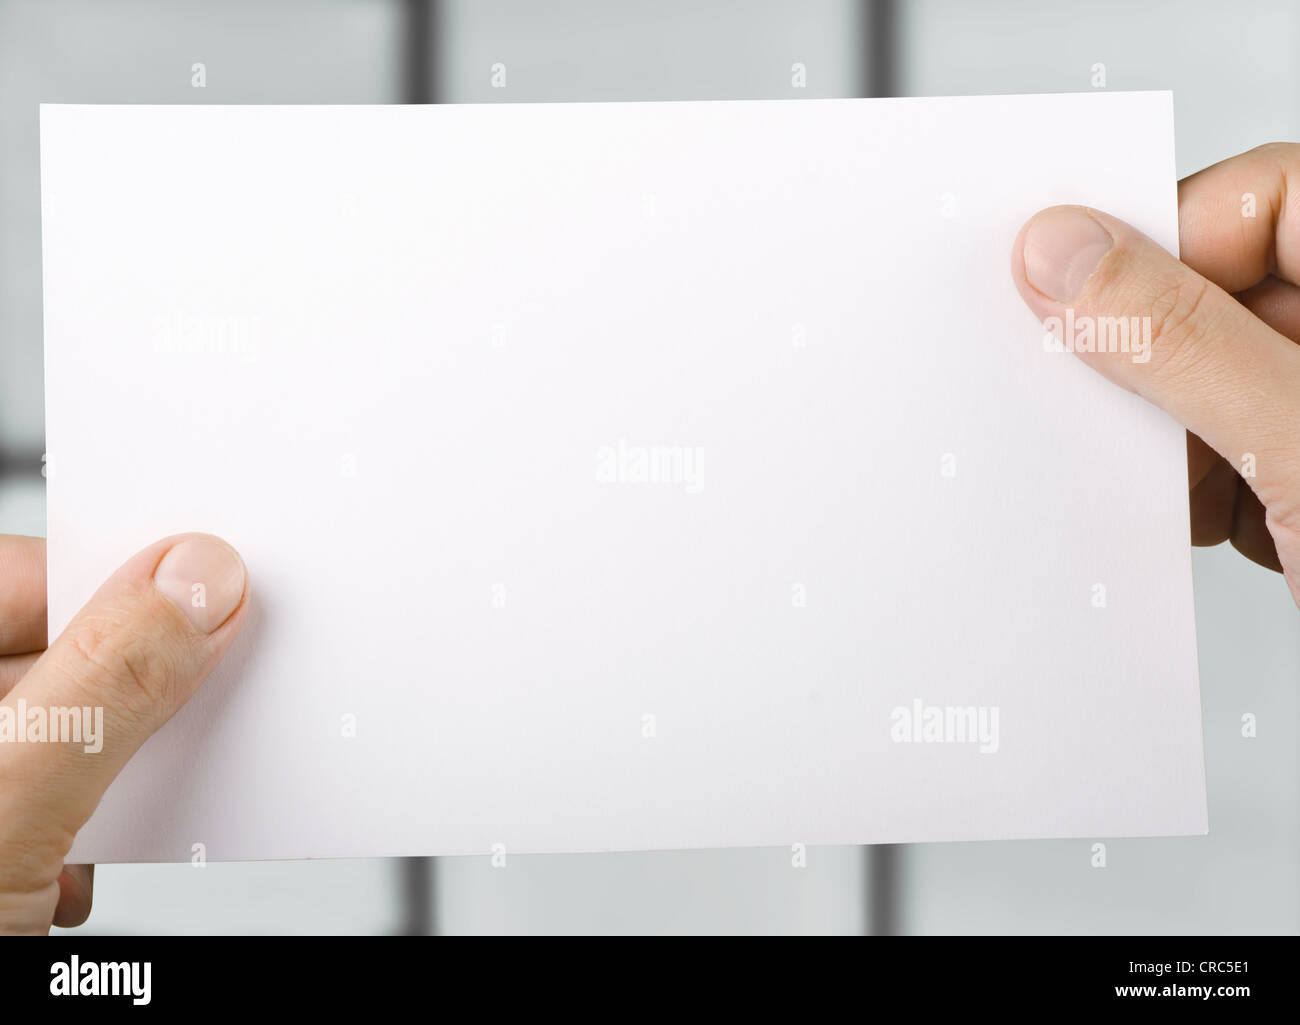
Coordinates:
<point>138,669</point>
<point>1180,326</point>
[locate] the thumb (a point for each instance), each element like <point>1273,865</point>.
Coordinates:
<point>127,661</point>
<point>1210,363</point>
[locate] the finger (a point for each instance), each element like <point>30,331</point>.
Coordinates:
<point>1213,502</point>
<point>22,598</point>
<point>76,894</point>
<point>1238,221</point>
<point>129,659</point>
<point>1224,509</point>
<point>1212,493</point>
<point>1276,303</point>
<point>1201,459</point>
<point>13,668</point>
<point>1231,218</point>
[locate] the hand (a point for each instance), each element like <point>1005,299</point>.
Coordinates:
<point>1224,324</point>
<point>125,664</point>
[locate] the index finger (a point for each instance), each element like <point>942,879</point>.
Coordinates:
<point>1239,220</point>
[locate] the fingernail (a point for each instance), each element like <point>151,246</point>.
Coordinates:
<point>1062,248</point>
<point>205,578</point>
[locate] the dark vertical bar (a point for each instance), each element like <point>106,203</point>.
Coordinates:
<point>419,29</point>
<point>417,893</point>
<point>879,58</point>
<point>21,462</point>
<point>884,872</point>
<point>419,85</point>
<point>880,48</point>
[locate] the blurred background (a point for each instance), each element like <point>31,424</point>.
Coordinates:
<point>1236,84</point>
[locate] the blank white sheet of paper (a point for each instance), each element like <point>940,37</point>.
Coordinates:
<point>621,476</point>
